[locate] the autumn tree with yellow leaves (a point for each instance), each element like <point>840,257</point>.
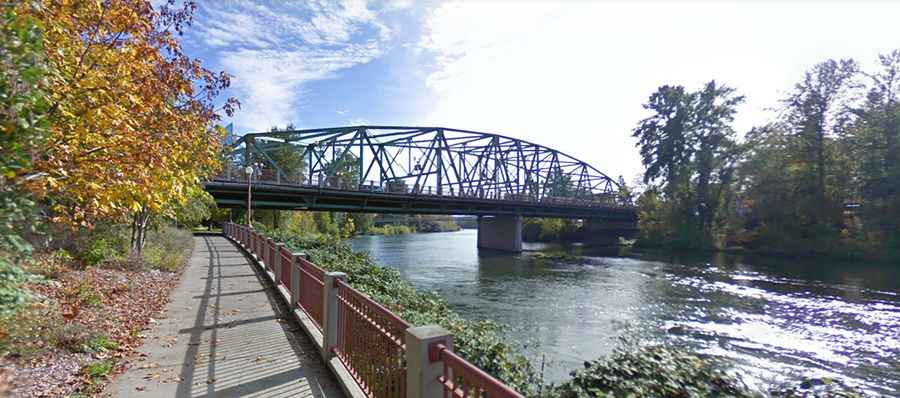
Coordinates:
<point>133,118</point>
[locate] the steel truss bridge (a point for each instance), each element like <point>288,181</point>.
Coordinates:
<point>414,170</point>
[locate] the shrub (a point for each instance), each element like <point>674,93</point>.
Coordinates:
<point>651,371</point>
<point>12,296</point>
<point>102,250</point>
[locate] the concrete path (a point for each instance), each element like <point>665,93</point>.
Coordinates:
<point>225,335</point>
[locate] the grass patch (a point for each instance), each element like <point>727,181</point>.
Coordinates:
<point>167,249</point>
<point>98,369</point>
<point>100,343</point>
<point>96,373</point>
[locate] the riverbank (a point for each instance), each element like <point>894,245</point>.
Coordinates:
<point>391,287</point>
<point>418,226</point>
<point>821,252</point>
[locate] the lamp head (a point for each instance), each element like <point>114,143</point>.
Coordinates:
<point>249,169</point>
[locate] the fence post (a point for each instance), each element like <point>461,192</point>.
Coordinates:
<point>273,255</point>
<point>295,278</point>
<point>267,252</point>
<point>330,313</point>
<point>279,265</point>
<point>421,372</point>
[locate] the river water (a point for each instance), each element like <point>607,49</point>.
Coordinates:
<point>777,320</point>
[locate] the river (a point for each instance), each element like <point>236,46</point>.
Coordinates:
<point>777,320</point>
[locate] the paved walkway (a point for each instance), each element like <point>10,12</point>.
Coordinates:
<point>225,335</point>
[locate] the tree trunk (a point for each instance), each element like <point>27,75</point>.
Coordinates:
<point>139,224</point>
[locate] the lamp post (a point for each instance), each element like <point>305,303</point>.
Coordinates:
<point>249,170</point>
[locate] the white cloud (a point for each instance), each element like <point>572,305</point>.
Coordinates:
<point>358,121</point>
<point>274,50</point>
<point>573,75</point>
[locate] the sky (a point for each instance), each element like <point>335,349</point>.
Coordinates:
<point>567,75</point>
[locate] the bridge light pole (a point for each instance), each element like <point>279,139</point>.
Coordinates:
<point>249,170</point>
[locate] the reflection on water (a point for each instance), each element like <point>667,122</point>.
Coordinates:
<point>776,318</point>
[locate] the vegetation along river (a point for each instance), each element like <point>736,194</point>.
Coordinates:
<point>777,320</point>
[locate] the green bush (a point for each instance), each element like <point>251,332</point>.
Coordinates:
<point>102,250</point>
<point>651,371</point>
<point>12,296</point>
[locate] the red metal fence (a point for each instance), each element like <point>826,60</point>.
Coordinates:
<point>312,286</point>
<point>462,379</point>
<point>370,343</point>
<point>286,258</point>
<point>370,338</point>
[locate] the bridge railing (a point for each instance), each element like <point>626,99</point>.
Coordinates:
<point>266,176</point>
<point>369,341</point>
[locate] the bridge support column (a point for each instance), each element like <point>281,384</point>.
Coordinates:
<point>500,233</point>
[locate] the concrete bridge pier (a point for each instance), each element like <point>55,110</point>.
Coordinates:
<point>500,233</point>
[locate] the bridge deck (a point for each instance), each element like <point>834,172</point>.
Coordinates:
<point>225,336</point>
<point>304,197</point>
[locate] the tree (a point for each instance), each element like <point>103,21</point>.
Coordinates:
<point>344,171</point>
<point>363,221</point>
<point>877,146</point>
<point>132,116</point>
<point>281,153</point>
<point>687,146</point>
<point>815,111</point>
<point>23,128</point>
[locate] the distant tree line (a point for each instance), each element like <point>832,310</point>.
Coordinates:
<point>822,178</point>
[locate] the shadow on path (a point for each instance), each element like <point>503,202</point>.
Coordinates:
<point>225,335</point>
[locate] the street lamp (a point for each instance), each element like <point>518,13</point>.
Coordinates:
<point>249,170</point>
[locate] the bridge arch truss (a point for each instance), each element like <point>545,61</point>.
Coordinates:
<point>422,161</point>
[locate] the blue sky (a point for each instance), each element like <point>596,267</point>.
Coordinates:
<point>568,75</point>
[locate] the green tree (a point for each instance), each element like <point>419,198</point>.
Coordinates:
<point>688,149</point>
<point>816,112</point>
<point>23,128</point>
<point>877,139</point>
